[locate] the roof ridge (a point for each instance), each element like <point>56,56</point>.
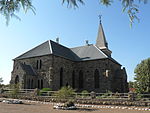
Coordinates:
<point>81,46</point>
<point>50,46</point>
<point>100,51</point>
<point>59,44</point>
<point>30,50</point>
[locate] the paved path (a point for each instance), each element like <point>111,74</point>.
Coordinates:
<point>45,108</point>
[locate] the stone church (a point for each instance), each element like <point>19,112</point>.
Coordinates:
<point>52,65</point>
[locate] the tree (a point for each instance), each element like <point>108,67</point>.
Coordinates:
<point>8,8</point>
<point>1,80</point>
<point>142,76</point>
<point>131,84</point>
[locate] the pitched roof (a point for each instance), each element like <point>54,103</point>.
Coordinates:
<point>28,69</point>
<point>47,48</point>
<point>82,53</point>
<point>62,51</point>
<point>42,49</point>
<point>88,52</point>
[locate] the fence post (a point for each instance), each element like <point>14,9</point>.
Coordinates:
<point>1,90</point>
<point>36,92</point>
<point>48,93</point>
<point>131,96</point>
<point>76,95</point>
<point>93,95</point>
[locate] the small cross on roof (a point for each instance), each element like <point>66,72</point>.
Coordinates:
<point>100,18</point>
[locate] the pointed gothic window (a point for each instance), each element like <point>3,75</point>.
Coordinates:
<point>38,84</point>
<point>80,79</point>
<point>73,79</point>
<point>41,84</point>
<point>37,64</point>
<point>32,84</point>
<point>96,78</point>
<point>61,77</point>
<point>40,64</point>
<point>29,84</point>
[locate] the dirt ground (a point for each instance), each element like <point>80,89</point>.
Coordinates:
<point>45,108</point>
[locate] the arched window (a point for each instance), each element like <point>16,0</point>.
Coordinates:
<point>40,64</point>
<point>32,84</point>
<point>17,79</point>
<point>61,77</point>
<point>96,78</point>
<point>38,84</point>
<point>41,84</point>
<point>73,79</point>
<point>67,84</point>
<point>29,84</point>
<point>37,64</point>
<point>80,79</point>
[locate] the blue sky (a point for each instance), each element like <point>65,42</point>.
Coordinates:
<point>73,27</point>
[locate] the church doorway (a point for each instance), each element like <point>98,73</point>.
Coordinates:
<point>17,79</point>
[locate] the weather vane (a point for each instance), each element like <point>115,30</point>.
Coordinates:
<point>100,18</point>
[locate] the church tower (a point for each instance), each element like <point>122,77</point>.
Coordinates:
<point>101,42</point>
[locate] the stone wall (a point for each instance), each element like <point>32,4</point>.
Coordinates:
<point>17,71</point>
<point>42,73</point>
<point>108,74</point>
<point>67,66</point>
<point>106,69</point>
<point>111,76</point>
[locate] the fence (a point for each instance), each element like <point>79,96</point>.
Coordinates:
<point>83,96</point>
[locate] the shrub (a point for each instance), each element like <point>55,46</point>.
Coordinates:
<point>15,90</point>
<point>46,89</point>
<point>84,93</point>
<point>43,92</point>
<point>108,94</point>
<point>65,92</point>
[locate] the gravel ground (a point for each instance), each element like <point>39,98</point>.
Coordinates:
<point>46,108</point>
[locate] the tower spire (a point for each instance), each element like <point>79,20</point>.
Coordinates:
<point>101,39</point>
